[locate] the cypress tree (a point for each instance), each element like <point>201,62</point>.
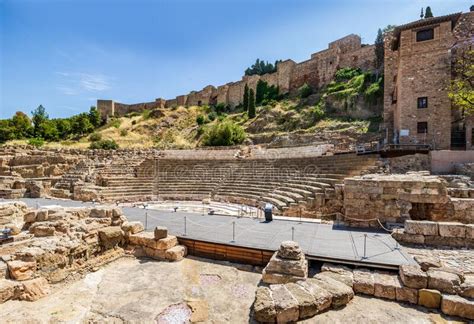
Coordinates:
<point>260,91</point>
<point>379,50</point>
<point>428,13</point>
<point>245,103</point>
<point>251,110</point>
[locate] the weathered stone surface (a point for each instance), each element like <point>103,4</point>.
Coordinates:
<point>43,230</point>
<point>385,285</point>
<point>21,270</point>
<point>154,253</point>
<point>280,270</point>
<point>341,293</point>
<point>457,306</point>
<point>467,287</point>
<point>306,301</point>
<point>160,232</point>
<point>410,238</point>
<point>443,281</point>
<point>289,250</point>
<point>167,242</point>
<point>199,309</point>
<point>421,227</point>
<point>470,231</point>
<point>30,217</point>
<point>7,290</point>
<point>286,306</point>
<point>429,298</point>
<point>413,277</point>
<point>264,306</point>
<point>364,282</point>
<point>176,253</point>
<point>34,289</point>
<point>132,227</point>
<point>3,270</point>
<point>345,278</point>
<point>427,262</point>
<point>322,297</point>
<point>339,272</point>
<point>111,236</point>
<point>452,229</point>
<point>405,294</point>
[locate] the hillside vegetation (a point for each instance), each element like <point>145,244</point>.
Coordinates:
<point>311,116</point>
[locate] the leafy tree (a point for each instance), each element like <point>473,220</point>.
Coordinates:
<point>428,13</point>
<point>260,91</point>
<point>305,91</point>
<point>48,131</point>
<point>81,124</point>
<point>224,134</point>
<point>7,131</point>
<point>251,111</point>
<point>388,28</point>
<point>64,127</point>
<point>39,116</point>
<point>346,74</point>
<point>22,125</point>
<point>94,117</point>
<point>262,67</point>
<point>379,50</point>
<point>94,137</point>
<point>245,103</point>
<point>461,91</point>
<point>471,8</point>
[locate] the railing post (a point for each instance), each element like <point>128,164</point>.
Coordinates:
<point>365,247</point>
<point>233,231</point>
<point>292,233</point>
<point>146,220</point>
<point>184,226</point>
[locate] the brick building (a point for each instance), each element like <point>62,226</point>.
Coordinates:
<point>419,60</point>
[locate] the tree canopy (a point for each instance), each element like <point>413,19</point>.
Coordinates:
<point>262,67</point>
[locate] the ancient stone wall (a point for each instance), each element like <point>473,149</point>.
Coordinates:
<point>317,72</point>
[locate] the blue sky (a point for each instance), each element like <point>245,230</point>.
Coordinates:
<point>65,54</point>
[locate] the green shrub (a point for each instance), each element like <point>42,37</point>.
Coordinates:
<point>36,141</point>
<point>146,114</point>
<point>94,137</point>
<point>224,134</point>
<point>347,73</point>
<point>115,123</point>
<point>212,116</point>
<point>123,132</point>
<point>305,91</point>
<point>104,145</point>
<point>220,108</point>
<point>318,111</point>
<point>201,120</point>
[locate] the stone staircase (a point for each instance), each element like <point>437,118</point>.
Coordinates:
<point>283,182</point>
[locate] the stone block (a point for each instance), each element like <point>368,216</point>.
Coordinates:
<point>160,232</point>
<point>30,217</point>
<point>289,250</point>
<point>470,231</point>
<point>111,236</point>
<point>322,297</point>
<point>286,306</point>
<point>7,290</point>
<point>3,270</point>
<point>345,278</point>
<point>467,287</point>
<point>405,294</point>
<point>280,270</point>
<point>166,243</point>
<point>154,253</point>
<point>264,306</point>
<point>413,277</point>
<point>306,302</point>
<point>176,253</point>
<point>421,227</point>
<point>21,270</point>
<point>427,262</point>
<point>132,227</point>
<point>429,298</point>
<point>411,238</point>
<point>34,289</point>
<point>340,292</point>
<point>452,229</point>
<point>43,230</point>
<point>364,282</point>
<point>443,281</point>
<point>457,306</point>
<point>385,285</point>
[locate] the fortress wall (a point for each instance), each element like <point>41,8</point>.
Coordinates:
<point>363,58</point>
<point>317,72</point>
<point>284,71</point>
<point>304,72</point>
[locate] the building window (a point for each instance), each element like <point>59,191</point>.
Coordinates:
<point>424,35</point>
<point>423,102</point>
<point>422,127</point>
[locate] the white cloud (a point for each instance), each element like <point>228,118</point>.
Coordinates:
<point>74,83</point>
